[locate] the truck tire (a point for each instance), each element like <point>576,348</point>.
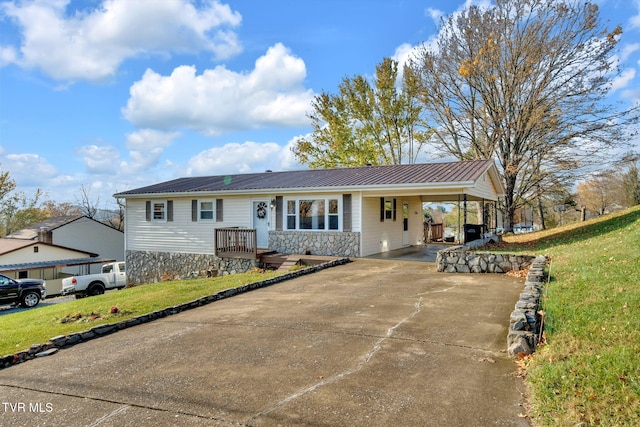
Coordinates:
<point>96,288</point>
<point>30,299</point>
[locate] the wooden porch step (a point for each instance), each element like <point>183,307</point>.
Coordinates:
<point>289,262</point>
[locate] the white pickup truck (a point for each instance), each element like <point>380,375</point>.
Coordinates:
<point>113,276</point>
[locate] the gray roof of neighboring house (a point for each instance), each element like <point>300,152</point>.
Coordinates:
<point>364,176</point>
<point>55,263</point>
<point>31,232</point>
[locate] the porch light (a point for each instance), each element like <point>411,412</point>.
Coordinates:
<point>273,203</point>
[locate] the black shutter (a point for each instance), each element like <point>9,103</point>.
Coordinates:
<point>148,209</point>
<point>169,210</point>
<point>194,210</point>
<point>279,213</point>
<point>219,217</point>
<point>381,209</point>
<point>346,212</point>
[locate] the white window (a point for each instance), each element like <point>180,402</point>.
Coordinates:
<point>159,211</point>
<point>206,210</point>
<point>388,209</point>
<point>313,214</point>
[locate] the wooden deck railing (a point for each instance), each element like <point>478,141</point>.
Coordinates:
<point>236,243</point>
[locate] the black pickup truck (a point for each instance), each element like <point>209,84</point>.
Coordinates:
<point>26,292</point>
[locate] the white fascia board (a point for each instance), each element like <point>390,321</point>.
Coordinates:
<point>387,188</point>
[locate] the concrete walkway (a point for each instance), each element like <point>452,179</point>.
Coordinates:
<point>370,343</point>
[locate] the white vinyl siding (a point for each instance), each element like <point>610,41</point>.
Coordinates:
<point>484,188</point>
<point>44,253</point>
<point>182,234</point>
<point>381,236</point>
<point>91,236</point>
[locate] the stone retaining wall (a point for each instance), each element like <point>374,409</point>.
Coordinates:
<point>525,323</point>
<point>338,243</point>
<point>152,267</point>
<point>63,341</point>
<point>458,259</point>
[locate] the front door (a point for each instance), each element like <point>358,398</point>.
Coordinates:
<point>261,222</point>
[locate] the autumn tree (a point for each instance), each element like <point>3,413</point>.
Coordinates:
<point>631,180</point>
<point>55,209</point>
<point>20,211</point>
<point>366,122</point>
<point>526,83</point>
<point>599,193</point>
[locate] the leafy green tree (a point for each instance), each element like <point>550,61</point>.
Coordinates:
<point>367,123</point>
<point>525,82</point>
<point>20,211</point>
<point>631,185</point>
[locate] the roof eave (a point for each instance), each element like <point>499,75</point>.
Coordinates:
<point>292,190</point>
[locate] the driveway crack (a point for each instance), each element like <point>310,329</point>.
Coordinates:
<point>339,376</point>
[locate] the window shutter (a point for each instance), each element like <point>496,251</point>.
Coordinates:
<point>394,209</point>
<point>148,210</point>
<point>169,210</point>
<point>346,212</point>
<point>381,209</point>
<point>279,213</point>
<point>219,217</point>
<point>194,210</point>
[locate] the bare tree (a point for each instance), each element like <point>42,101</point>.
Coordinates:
<point>117,221</point>
<point>88,206</point>
<point>525,82</point>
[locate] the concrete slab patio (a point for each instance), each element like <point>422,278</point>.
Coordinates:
<point>369,343</point>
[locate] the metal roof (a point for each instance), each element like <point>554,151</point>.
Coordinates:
<point>388,175</point>
<point>57,263</point>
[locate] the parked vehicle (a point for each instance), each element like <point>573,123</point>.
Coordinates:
<point>26,292</point>
<point>113,276</point>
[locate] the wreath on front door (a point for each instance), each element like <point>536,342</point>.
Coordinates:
<point>261,211</point>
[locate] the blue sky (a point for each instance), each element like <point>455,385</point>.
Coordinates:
<point>117,94</point>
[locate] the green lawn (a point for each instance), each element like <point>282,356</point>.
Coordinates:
<point>36,326</point>
<point>589,370</point>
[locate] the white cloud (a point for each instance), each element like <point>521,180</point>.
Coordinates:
<point>435,14</point>
<point>248,157</point>
<point>221,100</point>
<point>145,148</point>
<point>91,45</point>
<point>623,80</point>
<point>635,19</point>
<point>21,169</point>
<point>99,159</point>
<point>629,50</point>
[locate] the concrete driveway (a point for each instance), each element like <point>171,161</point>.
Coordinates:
<point>369,343</point>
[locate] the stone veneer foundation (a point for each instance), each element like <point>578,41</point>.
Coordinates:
<point>338,243</point>
<point>151,267</point>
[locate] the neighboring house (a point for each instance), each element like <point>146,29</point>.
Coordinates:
<point>59,247</point>
<point>35,259</point>
<point>78,232</point>
<point>188,225</point>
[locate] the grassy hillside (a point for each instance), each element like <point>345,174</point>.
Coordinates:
<point>588,373</point>
<point>37,325</point>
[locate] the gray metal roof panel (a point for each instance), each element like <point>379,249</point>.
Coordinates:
<point>421,173</point>
<point>56,263</point>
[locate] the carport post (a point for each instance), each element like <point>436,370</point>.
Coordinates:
<point>458,230</point>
